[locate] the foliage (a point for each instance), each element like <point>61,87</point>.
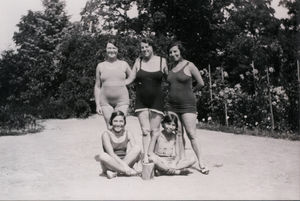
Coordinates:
<point>53,70</point>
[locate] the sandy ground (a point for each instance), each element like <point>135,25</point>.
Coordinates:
<point>59,163</point>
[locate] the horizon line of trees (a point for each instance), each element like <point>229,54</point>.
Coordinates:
<point>51,74</point>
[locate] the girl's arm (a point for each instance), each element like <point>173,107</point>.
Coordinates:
<point>132,75</point>
<point>131,138</point>
<point>196,74</point>
<point>97,88</point>
<point>101,143</point>
<point>178,140</point>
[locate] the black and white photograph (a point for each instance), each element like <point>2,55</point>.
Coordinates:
<point>149,100</point>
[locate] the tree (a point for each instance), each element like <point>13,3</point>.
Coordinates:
<point>39,36</point>
<point>107,15</point>
<point>290,42</point>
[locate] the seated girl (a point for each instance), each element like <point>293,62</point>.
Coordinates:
<point>120,152</point>
<point>166,156</point>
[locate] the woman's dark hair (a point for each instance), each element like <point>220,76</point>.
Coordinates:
<point>179,45</point>
<point>148,41</point>
<point>117,113</point>
<point>114,42</point>
<point>169,118</point>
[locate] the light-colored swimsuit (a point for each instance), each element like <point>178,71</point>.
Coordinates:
<point>165,149</point>
<point>113,88</point>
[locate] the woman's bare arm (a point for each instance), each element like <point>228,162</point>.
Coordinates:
<point>132,75</point>
<point>196,74</point>
<point>97,90</point>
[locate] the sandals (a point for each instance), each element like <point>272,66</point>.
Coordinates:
<point>204,171</point>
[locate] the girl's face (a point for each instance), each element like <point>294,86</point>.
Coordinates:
<point>175,54</point>
<point>146,50</point>
<point>170,127</point>
<point>118,124</point>
<point>111,50</point>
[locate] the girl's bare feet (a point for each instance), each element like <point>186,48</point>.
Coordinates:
<point>110,174</point>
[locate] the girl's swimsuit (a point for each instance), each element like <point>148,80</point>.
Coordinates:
<point>164,147</point>
<point>113,90</point>
<point>181,97</point>
<point>119,148</point>
<point>148,91</point>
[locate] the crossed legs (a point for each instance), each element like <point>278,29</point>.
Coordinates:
<point>109,163</point>
<point>170,166</point>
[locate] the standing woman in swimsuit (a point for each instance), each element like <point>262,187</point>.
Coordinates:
<point>148,72</point>
<point>182,100</point>
<point>110,88</point>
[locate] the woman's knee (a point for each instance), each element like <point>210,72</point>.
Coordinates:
<point>146,131</point>
<point>191,133</point>
<point>103,157</point>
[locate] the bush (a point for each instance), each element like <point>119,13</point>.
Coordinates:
<point>13,119</point>
<point>82,109</point>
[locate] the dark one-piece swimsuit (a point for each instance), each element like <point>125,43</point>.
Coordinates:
<point>181,98</point>
<point>148,89</point>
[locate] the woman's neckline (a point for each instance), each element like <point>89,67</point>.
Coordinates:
<point>149,61</point>
<point>182,67</point>
<point>116,134</point>
<point>112,61</point>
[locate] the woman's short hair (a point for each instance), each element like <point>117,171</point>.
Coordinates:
<point>149,41</point>
<point>115,114</point>
<point>169,118</point>
<point>114,42</point>
<point>179,45</point>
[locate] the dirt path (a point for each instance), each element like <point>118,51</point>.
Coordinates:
<point>59,163</point>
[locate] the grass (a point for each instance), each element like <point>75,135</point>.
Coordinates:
<point>246,131</point>
<point>17,132</point>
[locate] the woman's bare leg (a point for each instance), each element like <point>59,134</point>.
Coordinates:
<point>123,108</point>
<point>189,122</point>
<point>159,163</point>
<point>110,163</point>
<point>185,163</point>
<point>132,156</point>
<point>107,110</point>
<point>144,119</point>
<point>155,122</point>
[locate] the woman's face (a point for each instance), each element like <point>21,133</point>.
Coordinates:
<point>111,50</point>
<point>146,50</point>
<point>118,124</point>
<point>170,127</point>
<point>175,54</point>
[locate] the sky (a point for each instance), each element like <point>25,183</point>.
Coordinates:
<point>11,12</point>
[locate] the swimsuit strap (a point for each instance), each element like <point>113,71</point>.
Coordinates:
<point>187,63</point>
<point>160,64</point>
<point>140,63</point>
